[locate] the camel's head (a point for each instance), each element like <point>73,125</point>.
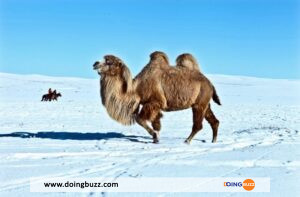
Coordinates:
<point>58,95</point>
<point>159,57</point>
<point>113,66</point>
<point>116,89</point>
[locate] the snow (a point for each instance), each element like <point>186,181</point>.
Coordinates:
<point>74,137</point>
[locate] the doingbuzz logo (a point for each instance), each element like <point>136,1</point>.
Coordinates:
<point>247,184</point>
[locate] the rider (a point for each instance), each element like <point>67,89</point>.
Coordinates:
<point>49,91</point>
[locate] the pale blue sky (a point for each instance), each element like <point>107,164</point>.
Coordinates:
<point>64,37</point>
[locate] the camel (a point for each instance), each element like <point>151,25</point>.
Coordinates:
<point>158,87</point>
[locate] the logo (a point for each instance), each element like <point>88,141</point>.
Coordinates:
<point>247,184</point>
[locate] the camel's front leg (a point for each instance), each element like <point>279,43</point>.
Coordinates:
<point>156,122</point>
<point>153,133</point>
<point>149,112</point>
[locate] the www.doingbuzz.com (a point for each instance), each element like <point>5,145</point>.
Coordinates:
<point>158,184</point>
<point>81,185</point>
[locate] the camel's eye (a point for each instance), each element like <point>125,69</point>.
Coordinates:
<point>108,62</point>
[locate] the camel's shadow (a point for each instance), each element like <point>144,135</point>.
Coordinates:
<point>76,136</point>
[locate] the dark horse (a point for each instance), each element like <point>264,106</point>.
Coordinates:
<point>51,96</point>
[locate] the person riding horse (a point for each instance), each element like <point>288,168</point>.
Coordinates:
<point>51,95</point>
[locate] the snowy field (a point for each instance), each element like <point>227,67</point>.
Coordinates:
<point>74,137</point>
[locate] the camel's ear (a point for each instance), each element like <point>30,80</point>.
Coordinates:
<point>126,75</point>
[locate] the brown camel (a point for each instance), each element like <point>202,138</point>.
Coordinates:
<point>159,87</point>
<point>186,63</point>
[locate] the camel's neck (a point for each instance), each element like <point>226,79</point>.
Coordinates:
<point>120,105</point>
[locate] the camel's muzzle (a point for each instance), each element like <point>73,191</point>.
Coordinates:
<point>100,67</point>
<point>96,65</point>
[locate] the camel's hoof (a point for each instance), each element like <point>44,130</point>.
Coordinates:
<point>155,141</point>
<point>214,140</point>
<point>155,138</point>
<point>187,142</point>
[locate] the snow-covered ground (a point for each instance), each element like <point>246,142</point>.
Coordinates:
<point>74,137</point>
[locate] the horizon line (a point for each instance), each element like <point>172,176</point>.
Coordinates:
<point>80,77</point>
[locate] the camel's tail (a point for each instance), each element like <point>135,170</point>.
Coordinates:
<point>215,97</point>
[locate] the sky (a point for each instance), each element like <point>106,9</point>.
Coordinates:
<point>258,38</point>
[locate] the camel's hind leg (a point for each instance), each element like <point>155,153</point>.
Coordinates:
<point>213,121</point>
<point>149,112</point>
<point>198,116</point>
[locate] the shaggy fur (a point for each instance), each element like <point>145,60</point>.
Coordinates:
<point>187,60</point>
<point>159,87</point>
<point>116,91</point>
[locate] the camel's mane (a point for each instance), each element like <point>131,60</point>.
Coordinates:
<point>120,105</point>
